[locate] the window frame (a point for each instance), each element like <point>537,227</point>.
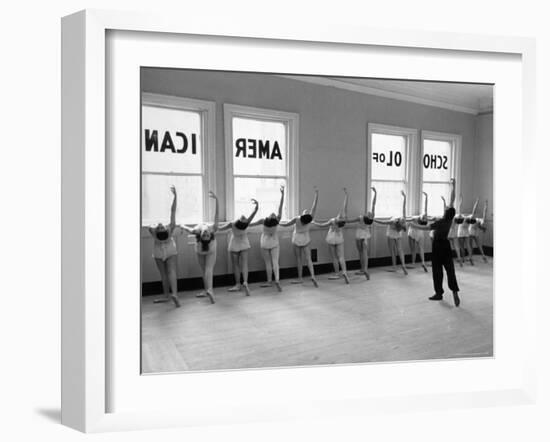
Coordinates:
<point>411,167</point>
<point>207,111</point>
<point>292,122</point>
<point>456,157</point>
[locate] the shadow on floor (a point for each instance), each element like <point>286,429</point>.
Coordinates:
<point>51,414</point>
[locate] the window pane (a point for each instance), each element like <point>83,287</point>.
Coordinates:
<point>171,140</point>
<point>435,191</point>
<point>436,160</point>
<point>389,201</point>
<point>265,190</point>
<point>388,157</point>
<point>259,147</point>
<point>157,199</point>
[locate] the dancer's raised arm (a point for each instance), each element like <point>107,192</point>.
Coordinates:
<point>485,207</point>
<point>425,204</point>
<point>453,193</point>
<point>444,204</point>
<point>216,210</point>
<point>344,211</point>
<point>459,206</point>
<point>315,199</point>
<point>173,208</point>
<point>404,211</point>
<point>280,211</point>
<point>253,214</point>
<point>475,208</point>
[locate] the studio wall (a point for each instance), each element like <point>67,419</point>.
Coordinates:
<point>333,151</point>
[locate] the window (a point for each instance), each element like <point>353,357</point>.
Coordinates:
<point>390,168</point>
<point>261,155</point>
<point>176,141</point>
<point>440,162</point>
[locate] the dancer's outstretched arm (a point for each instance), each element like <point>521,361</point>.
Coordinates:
<point>453,193</point>
<point>404,211</point>
<point>253,214</point>
<point>216,211</point>
<point>485,206</point>
<point>225,226</point>
<point>344,211</point>
<point>173,208</point>
<point>425,204</point>
<point>474,210</point>
<point>288,223</point>
<point>280,212</point>
<point>373,200</point>
<point>315,199</point>
<point>321,224</point>
<point>420,226</point>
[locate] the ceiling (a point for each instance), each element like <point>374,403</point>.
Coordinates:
<point>462,97</point>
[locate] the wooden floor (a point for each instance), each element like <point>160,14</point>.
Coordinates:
<point>388,318</point>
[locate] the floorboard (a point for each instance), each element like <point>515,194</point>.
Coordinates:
<point>388,318</point>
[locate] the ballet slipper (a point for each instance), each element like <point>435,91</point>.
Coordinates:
<point>235,288</point>
<point>367,276</point>
<point>266,284</point>
<point>200,295</point>
<point>346,278</point>
<point>297,281</point>
<point>334,276</point>
<point>246,289</point>
<point>278,285</point>
<point>211,297</point>
<point>314,281</point>
<point>176,301</point>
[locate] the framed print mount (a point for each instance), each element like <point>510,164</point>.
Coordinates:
<point>102,383</point>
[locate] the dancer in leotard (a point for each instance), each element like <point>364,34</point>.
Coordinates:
<point>462,244</point>
<point>205,248</point>
<point>301,240</point>
<point>363,235</point>
<point>335,240</point>
<point>394,231</point>
<point>269,244</point>
<point>475,227</point>
<point>416,236</point>
<point>238,247</point>
<point>165,252</point>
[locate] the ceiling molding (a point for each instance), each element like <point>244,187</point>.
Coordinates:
<point>324,81</point>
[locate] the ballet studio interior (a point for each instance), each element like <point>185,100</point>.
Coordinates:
<point>309,220</point>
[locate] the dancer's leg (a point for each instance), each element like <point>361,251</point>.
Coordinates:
<point>359,244</point>
<point>298,253</point>
<point>401,255</point>
<point>275,263</point>
<point>309,262</point>
<point>266,255</point>
<point>161,265</point>
<point>235,261</point>
<point>210,261</point>
<point>339,249</point>
<point>244,271</point>
<point>171,268</point>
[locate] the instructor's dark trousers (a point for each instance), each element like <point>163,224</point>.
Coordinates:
<point>442,256</point>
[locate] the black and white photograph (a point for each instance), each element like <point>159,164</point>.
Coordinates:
<point>291,221</point>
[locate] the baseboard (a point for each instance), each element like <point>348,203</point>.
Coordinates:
<point>155,287</point>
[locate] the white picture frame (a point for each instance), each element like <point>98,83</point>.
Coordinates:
<point>87,311</point>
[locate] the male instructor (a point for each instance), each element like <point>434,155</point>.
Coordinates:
<point>442,255</point>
